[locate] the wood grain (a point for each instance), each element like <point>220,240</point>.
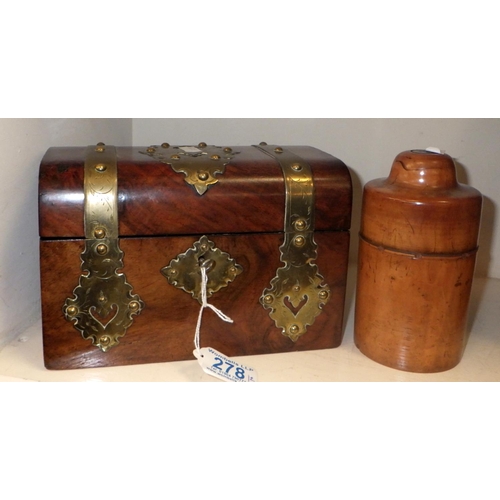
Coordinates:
<point>164,331</point>
<point>417,251</point>
<point>155,201</point>
<point>160,217</point>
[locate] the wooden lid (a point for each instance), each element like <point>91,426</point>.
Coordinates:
<point>421,208</point>
<point>423,169</point>
<point>153,200</point>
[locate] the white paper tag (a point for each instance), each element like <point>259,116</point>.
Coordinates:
<point>190,149</point>
<point>216,364</point>
<point>432,149</point>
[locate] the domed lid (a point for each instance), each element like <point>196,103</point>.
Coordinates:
<point>424,168</point>
<point>421,208</point>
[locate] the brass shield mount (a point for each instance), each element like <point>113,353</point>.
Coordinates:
<point>103,305</point>
<point>199,164</point>
<point>298,283</point>
<point>184,271</point>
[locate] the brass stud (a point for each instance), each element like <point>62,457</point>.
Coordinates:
<point>323,295</point>
<point>100,149</point>
<point>175,157</point>
<point>71,310</point>
<point>263,144</point>
<point>102,298</point>
<point>232,270</point>
<point>202,175</point>
<point>105,340</point>
<point>172,272</point>
<point>296,167</point>
<point>101,249</point>
<point>215,157</point>
<point>294,329</point>
<point>296,288</point>
<point>151,150</point>
<point>228,150</point>
<point>300,224</point>
<point>204,247</point>
<point>268,299</point>
<point>99,233</point>
<point>101,144</point>
<point>134,306</point>
<point>202,145</point>
<point>100,167</point>
<point>165,145</point>
<point>278,150</point>
<point>299,241</point>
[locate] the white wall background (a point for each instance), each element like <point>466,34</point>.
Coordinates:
<point>367,146</point>
<point>23,143</point>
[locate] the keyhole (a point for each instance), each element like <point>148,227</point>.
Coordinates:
<point>207,264</point>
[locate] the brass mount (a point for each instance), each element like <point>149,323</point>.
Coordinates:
<point>103,305</point>
<point>298,283</point>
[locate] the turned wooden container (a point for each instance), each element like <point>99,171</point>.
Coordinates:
<point>417,250</point>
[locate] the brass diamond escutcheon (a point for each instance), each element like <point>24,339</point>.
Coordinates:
<point>184,271</point>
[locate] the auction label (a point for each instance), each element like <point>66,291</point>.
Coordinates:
<point>216,364</point>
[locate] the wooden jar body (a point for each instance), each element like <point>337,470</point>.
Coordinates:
<point>418,243</point>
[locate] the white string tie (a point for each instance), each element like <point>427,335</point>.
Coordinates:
<point>204,304</point>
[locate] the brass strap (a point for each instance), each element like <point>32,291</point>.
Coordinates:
<point>299,280</point>
<point>100,186</point>
<point>103,305</point>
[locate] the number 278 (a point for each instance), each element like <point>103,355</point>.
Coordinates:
<point>240,373</point>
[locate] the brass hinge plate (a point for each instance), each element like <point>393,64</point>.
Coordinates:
<point>103,305</point>
<point>298,283</point>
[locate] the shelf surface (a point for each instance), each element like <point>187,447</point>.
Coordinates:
<point>22,359</point>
